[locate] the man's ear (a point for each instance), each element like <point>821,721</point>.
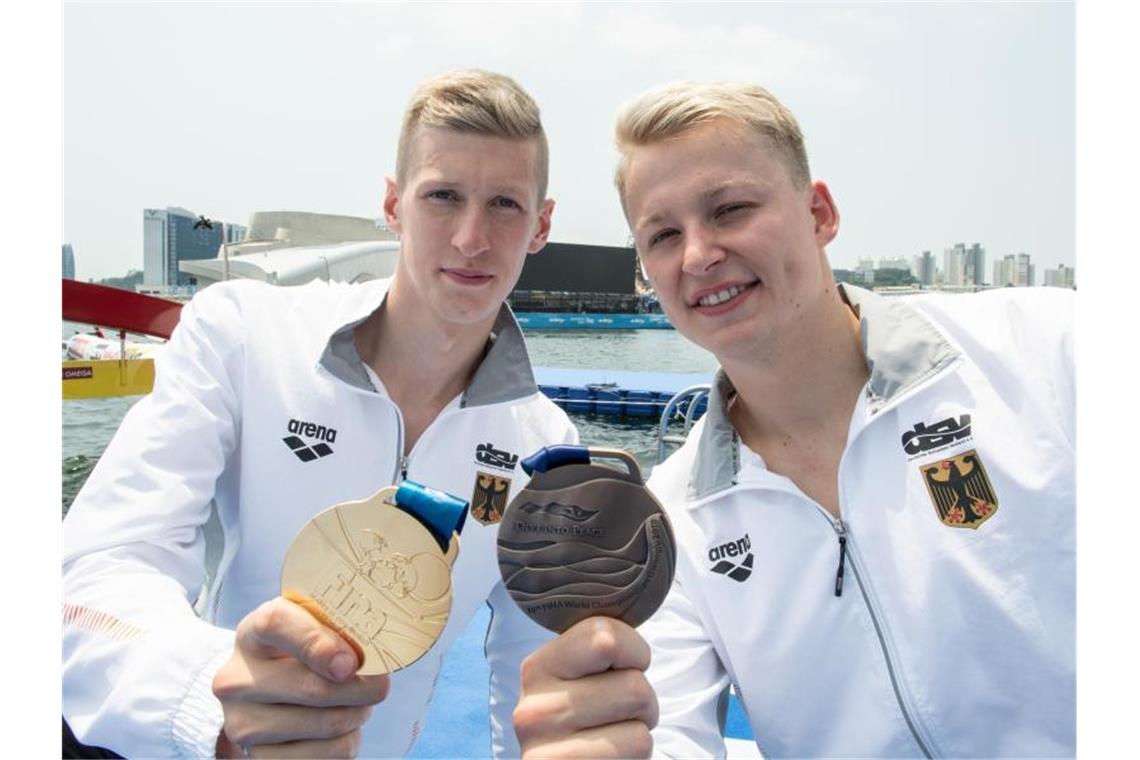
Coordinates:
<point>825,212</point>
<point>392,205</point>
<point>542,231</point>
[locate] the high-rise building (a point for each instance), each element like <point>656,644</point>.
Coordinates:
<point>866,269</point>
<point>171,235</point>
<point>954,265</point>
<point>965,266</point>
<point>899,262</point>
<point>924,268</point>
<point>1014,270</point>
<point>1003,271</point>
<point>1025,275</point>
<point>68,262</point>
<point>1061,277</point>
<point>975,265</point>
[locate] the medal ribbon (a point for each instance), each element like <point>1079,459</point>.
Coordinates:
<point>549,457</point>
<point>441,513</point>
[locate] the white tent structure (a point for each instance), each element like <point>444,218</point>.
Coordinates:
<point>294,247</point>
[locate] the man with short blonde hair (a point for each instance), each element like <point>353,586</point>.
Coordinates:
<point>412,377</point>
<point>874,519</point>
<point>671,110</point>
<point>477,102</point>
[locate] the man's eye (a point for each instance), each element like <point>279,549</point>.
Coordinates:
<point>442,195</point>
<point>661,236</point>
<point>728,208</point>
<point>504,202</point>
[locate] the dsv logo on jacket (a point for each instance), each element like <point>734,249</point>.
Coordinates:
<point>738,571</point>
<point>924,438</point>
<point>305,452</point>
<point>486,453</point>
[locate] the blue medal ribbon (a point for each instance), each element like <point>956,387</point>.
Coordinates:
<point>549,457</point>
<point>441,513</point>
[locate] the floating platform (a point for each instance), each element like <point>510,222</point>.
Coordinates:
<point>542,320</point>
<point>616,392</point>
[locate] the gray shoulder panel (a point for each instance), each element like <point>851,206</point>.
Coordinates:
<point>505,373</point>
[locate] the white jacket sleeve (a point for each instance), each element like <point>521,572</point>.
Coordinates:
<point>690,682</point>
<point>137,661</point>
<point>511,636</point>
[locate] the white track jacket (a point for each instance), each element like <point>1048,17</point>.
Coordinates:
<point>262,405</point>
<point>954,632</point>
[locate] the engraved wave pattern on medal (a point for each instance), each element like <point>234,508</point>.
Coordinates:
<point>548,583</point>
<point>371,595</point>
<point>555,553</point>
<point>555,509</point>
<point>564,562</point>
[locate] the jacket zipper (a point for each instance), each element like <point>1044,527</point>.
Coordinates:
<point>842,532</point>
<point>404,461</point>
<point>400,470</point>
<point>841,529</point>
<point>401,473</point>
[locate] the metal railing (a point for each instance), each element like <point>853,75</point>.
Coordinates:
<point>680,409</point>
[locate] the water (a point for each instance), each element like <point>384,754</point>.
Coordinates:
<point>637,350</point>
<point>89,424</point>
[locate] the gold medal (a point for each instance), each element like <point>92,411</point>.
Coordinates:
<point>377,575</point>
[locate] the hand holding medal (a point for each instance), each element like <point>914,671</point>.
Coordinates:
<point>378,572</point>
<point>583,540</point>
<point>365,590</point>
<point>588,552</point>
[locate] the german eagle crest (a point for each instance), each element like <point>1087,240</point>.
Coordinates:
<point>960,490</point>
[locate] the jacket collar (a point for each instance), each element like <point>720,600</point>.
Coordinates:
<point>902,348</point>
<point>504,374</point>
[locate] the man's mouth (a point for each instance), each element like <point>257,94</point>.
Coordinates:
<point>724,294</point>
<point>468,275</point>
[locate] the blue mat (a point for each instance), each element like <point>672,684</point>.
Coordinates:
<point>457,723</point>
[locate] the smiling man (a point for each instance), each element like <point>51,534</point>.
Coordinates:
<point>276,403</point>
<point>875,518</point>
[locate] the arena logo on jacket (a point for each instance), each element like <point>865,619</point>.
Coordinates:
<point>489,498</point>
<point>318,439</point>
<point>960,490</point>
<point>725,558</point>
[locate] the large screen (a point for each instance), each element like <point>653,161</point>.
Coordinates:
<point>573,268</point>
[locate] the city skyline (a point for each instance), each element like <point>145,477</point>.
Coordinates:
<point>965,268</point>
<point>161,262</point>
<point>235,233</point>
<point>919,143</point>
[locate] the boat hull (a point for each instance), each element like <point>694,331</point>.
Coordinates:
<point>101,378</point>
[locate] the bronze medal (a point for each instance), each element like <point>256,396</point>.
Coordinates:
<point>375,574</point>
<point>583,540</point>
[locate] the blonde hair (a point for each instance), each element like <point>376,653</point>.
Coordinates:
<point>479,102</point>
<point>667,111</point>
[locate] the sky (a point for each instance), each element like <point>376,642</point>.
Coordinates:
<point>932,123</point>
<point>928,109</point>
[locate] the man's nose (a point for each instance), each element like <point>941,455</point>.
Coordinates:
<point>701,253</point>
<point>472,236</point>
